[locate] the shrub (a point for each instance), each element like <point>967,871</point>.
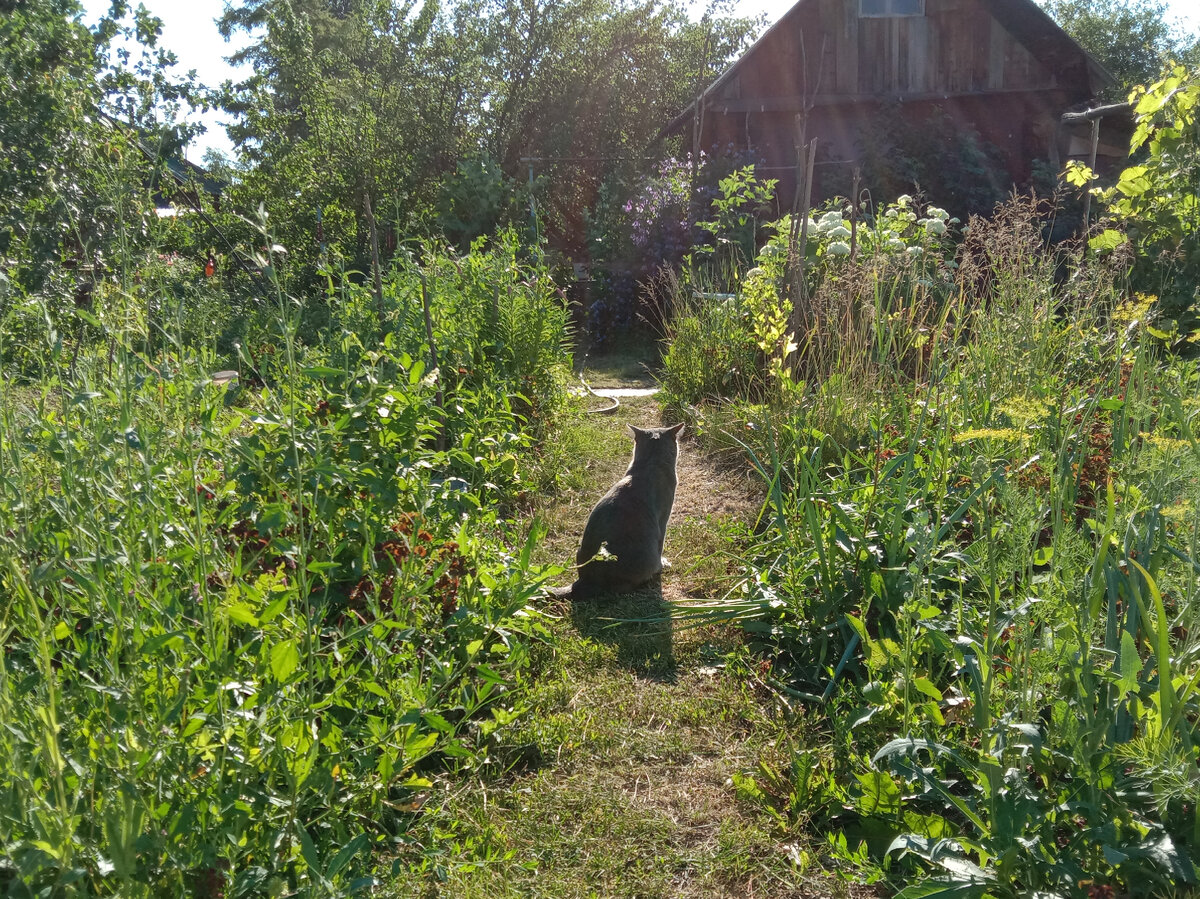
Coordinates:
<point>710,348</point>
<point>1155,199</point>
<point>248,627</point>
<point>478,200</point>
<point>973,563</point>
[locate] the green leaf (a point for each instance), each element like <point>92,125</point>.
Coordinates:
<point>1114,856</point>
<point>344,855</point>
<point>438,722</point>
<point>1077,174</point>
<point>274,609</point>
<point>1162,648</point>
<point>1106,241</point>
<point>418,745</point>
<point>168,641</point>
<point>415,373</point>
<point>285,656</point>
<point>372,687</point>
<point>925,685</point>
<point>880,793</point>
<point>876,585</point>
<point>1166,856</point>
<point>939,888</point>
<point>489,674</point>
<point>1130,665</point>
<point>1134,181</point>
<point>242,614</point>
<point>89,318</point>
<point>309,852</point>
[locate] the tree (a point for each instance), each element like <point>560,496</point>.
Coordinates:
<point>365,108</point>
<point>1157,199</point>
<point>583,85</point>
<point>48,72</point>
<point>1133,39</point>
<point>354,111</point>
<point>80,126</point>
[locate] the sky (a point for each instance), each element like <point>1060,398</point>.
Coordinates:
<point>189,29</point>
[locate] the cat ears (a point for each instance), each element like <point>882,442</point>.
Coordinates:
<point>655,433</point>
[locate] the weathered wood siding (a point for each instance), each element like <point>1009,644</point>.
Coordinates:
<point>996,70</point>
<point>957,47</point>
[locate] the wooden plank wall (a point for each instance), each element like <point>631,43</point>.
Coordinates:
<point>955,48</point>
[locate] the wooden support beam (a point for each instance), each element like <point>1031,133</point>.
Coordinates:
<point>1093,115</point>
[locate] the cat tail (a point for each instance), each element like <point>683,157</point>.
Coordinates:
<point>576,591</point>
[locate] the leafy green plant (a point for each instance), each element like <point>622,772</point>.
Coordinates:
<point>1155,199</point>
<point>711,352</point>
<point>738,211</point>
<point>967,563</point>
<point>250,626</point>
<point>477,200</point>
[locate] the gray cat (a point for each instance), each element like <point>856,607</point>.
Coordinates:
<point>630,522</point>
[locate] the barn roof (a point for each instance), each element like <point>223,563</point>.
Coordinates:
<point>1024,19</point>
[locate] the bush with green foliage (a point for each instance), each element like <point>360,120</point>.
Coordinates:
<point>1155,203</point>
<point>247,625</point>
<point>477,201</point>
<point>876,290</point>
<point>985,568</point>
<point>76,182</point>
<point>377,104</point>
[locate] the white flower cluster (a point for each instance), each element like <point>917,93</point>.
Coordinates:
<point>831,221</point>
<point>935,220</point>
<point>899,229</point>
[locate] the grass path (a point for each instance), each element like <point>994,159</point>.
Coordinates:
<point>620,782</point>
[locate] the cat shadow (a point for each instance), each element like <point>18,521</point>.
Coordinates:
<point>638,623</point>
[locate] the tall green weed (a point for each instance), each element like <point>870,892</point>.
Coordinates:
<point>981,557</point>
<point>248,627</point>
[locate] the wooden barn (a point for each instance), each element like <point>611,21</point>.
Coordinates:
<point>903,90</point>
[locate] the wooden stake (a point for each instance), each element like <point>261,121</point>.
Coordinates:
<point>806,152</point>
<point>810,155</point>
<point>856,185</point>
<point>799,228</point>
<point>1087,197</point>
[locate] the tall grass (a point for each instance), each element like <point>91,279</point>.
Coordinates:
<point>978,549</point>
<point>246,627</point>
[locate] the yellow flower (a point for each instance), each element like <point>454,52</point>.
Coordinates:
<point>1180,512</point>
<point>1136,310</point>
<point>1024,409</point>
<point>989,434</point>
<point>1167,444</point>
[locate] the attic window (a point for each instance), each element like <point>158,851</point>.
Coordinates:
<point>882,8</point>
